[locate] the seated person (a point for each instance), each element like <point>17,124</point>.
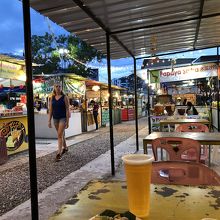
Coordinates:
<point>191,110</point>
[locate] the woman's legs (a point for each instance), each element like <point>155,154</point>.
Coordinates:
<point>60,127</point>
<point>96,120</point>
<point>60,136</point>
<point>64,142</point>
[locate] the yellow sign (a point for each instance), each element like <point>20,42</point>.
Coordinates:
<point>12,71</point>
<point>15,132</point>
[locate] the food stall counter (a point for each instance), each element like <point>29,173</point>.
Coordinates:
<point>42,130</point>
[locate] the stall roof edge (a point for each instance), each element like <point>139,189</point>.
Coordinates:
<point>15,59</point>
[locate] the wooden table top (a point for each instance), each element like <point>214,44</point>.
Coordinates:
<point>167,202</point>
<point>206,138</point>
<point>182,121</point>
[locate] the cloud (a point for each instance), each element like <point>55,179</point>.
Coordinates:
<point>12,37</point>
<point>11,26</point>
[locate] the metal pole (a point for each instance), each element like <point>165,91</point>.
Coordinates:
<point>136,103</point>
<point>148,102</point>
<point>127,102</point>
<point>100,96</point>
<point>30,110</point>
<point>110,104</point>
<point>218,92</point>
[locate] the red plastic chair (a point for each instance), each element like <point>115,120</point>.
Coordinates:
<point>183,173</point>
<point>195,127</point>
<point>177,148</point>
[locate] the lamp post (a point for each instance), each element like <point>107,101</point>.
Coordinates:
<point>63,55</point>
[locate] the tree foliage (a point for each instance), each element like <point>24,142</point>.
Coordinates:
<point>46,51</point>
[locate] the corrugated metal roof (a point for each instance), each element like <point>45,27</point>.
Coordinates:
<point>140,25</point>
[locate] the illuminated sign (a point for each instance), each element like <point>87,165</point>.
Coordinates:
<point>189,72</point>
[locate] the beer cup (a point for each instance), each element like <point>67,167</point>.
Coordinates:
<point>138,177</point>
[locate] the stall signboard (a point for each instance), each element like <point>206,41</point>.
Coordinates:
<point>15,132</point>
<point>189,72</point>
<point>12,71</point>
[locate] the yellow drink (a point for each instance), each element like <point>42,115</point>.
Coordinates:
<point>138,176</point>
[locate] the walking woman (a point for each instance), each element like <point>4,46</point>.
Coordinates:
<point>59,110</point>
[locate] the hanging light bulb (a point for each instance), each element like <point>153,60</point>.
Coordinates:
<point>95,88</point>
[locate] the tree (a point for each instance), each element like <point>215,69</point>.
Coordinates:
<point>46,51</point>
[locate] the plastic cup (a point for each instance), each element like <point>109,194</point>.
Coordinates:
<point>138,177</point>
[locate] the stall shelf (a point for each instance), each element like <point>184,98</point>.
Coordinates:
<point>74,128</point>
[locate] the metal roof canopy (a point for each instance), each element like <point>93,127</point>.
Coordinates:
<point>176,25</point>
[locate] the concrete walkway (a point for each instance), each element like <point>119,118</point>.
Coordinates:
<point>47,146</point>
<point>56,195</point>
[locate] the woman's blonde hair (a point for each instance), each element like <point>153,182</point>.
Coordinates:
<point>54,91</point>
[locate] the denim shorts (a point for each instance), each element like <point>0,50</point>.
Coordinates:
<point>56,121</point>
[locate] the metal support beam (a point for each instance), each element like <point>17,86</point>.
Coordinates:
<point>218,118</point>
<point>110,104</point>
<point>148,102</point>
<point>165,23</point>
<point>173,53</point>
<point>30,110</point>
<point>136,103</point>
<point>100,24</point>
<point>198,23</point>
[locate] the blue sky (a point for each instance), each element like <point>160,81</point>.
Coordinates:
<point>12,39</point>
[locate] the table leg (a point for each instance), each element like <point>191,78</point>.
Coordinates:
<point>145,148</point>
<point>161,154</point>
<point>209,155</point>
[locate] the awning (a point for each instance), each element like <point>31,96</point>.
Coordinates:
<point>138,27</point>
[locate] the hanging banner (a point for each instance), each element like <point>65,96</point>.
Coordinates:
<point>154,76</point>
<point>74,86</point>
<point>12,71</point>
<point>189,72</point>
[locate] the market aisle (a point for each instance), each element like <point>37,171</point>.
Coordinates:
<point>67,182</point>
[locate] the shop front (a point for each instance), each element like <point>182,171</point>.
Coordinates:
<point>13,112</point>
<point>174,88</point>
<point>98,92</point>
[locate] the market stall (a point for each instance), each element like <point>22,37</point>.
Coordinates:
<point>98,92</point>
<point>13,118</point>
<point>176,87</point>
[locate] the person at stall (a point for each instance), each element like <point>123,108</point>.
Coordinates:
<point>184,101</point>
<point>178,102</point>
<point>95,111</point>
<point>59,110</point>
<point>191,110</point>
